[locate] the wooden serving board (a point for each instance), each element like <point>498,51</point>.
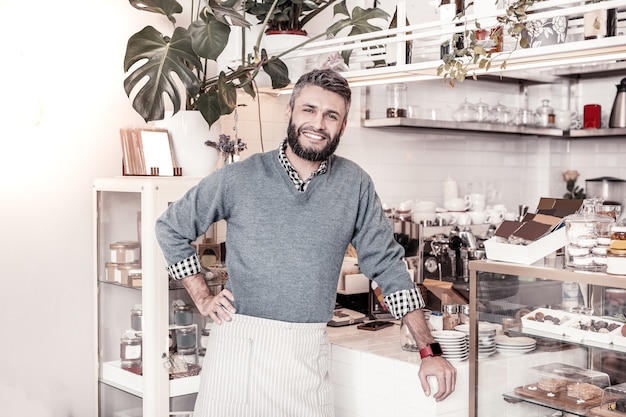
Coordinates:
<point>603,411</point>
<point>560,400</point>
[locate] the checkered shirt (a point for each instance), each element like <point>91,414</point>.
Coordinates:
<point>297,181</point>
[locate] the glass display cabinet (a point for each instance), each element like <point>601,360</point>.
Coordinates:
<point>562,347</point>
<point>135,326</point>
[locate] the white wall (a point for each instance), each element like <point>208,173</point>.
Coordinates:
<point>62,106</point>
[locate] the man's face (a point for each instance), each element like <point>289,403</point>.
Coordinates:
<point>316,123</point>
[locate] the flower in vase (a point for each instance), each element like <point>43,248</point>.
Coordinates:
<point>573,191</point>
<point>227,146</point>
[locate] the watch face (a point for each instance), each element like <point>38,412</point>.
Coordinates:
<point>436,348</point>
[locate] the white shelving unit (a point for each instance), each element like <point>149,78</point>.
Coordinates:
<point>126,209</point>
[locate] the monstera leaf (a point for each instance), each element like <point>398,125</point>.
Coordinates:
<point>164,57</point>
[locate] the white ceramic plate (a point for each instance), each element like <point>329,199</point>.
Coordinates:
<point>514,341</point>
<point>447,334</point>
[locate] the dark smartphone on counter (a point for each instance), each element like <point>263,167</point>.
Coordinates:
<point>374,325</point>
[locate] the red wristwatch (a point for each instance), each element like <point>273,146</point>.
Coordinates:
<point>432,349</point>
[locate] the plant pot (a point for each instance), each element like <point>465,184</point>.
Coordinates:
<point>188,132</point>
<point>276,42</point>
<point>543,32</point>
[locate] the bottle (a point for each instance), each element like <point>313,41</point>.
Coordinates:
<point>446,16</point>
<point>449,12</point>
<point>392,47</point>
<point>599,23</point>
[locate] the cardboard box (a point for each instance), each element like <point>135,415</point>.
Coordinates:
<point>539,234</point>
<point>525,254</point>
<point>444,291</point>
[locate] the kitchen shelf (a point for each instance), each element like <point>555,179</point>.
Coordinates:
<point>115,376</point>
<point>492,128</point>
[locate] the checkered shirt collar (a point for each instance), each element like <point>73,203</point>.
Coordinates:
<point>293,174</point>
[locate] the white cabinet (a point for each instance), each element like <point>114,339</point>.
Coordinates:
<point>497,384</point>
<point>126,209</point>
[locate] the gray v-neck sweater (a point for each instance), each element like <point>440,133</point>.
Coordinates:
<point>285,248</point>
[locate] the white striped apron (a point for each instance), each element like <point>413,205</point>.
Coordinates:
<point>256,367</point>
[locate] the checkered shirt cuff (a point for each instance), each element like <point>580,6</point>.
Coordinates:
<point>401,302</point>
<point>185,268</point>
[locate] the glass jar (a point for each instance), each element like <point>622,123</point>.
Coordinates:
<point>124,252</point>
<point>188,356</point>
<point>450,316</point>
<point>396,100</point>
<point>464,314</point>
<point>616,262</point>
<point>436,320</point>
<point>130,350</point>
<point>583,230</point>
<point>545,114</point>
<point>136,318</point>
<point>407,342</point>
<point>183,316</point>
<point>186,338</point>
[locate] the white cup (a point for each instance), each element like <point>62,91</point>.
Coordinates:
<point>478,217</point>
<point>500,207</point>
<point>445,216</point>
<point>475,201</point>
<point>494,216</point>
<point>417,217</point>
<point>463,219</point>
<point>456,204</point>
<point>423,206</point>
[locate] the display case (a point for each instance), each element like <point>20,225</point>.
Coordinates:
<point>134,299</point>
<point>575,347</point>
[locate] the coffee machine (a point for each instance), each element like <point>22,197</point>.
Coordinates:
<point>446,250</point>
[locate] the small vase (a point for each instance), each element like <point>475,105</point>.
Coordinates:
<point>230,159</point>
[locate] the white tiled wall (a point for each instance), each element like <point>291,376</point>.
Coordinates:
<point>412,164</point>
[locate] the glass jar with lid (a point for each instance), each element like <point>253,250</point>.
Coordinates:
<point>130,350</point>
<point>136,318</point>
<point>545,114</point>
<point>183,315</point>
<point>396,100</point>
<point>583,230</point>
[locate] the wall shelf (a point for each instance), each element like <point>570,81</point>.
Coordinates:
<point>492,128</point>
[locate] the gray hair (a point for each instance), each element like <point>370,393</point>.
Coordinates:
<point>329,80</point>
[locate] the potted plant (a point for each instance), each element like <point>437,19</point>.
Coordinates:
<point>460,60</point>
<point>185,52</point>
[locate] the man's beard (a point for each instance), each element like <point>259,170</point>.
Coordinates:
<point>310,154</point>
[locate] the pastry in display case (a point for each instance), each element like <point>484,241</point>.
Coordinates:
<point>547,320</point>
<point>565,387</point>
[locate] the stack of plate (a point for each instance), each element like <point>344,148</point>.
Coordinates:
<point>486,337</point>
<point>453,344</point>
<point>506,345</point>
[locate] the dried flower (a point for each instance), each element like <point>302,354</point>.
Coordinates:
<point>573,191</point>
<point>227,146</point>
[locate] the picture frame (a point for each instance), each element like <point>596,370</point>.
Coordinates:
<point>147,152</point>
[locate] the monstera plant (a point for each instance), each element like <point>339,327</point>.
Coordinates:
<point>155,62</point>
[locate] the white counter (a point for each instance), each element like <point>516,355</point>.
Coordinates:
<point>373,376</point>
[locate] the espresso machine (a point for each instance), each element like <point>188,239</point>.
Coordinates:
<point>446,250</point>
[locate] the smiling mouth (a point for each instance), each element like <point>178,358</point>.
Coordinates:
<point>313,135</point>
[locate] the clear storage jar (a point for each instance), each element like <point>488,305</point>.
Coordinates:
<point>185,338</point>
<point>407,342</point>
<point>124,252</point>
<point>136,318</point>
<point>583,230</point>
<point>450,316</point>
<point>130,350</point>
<point>396,100</point>
<point>183,315</point>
